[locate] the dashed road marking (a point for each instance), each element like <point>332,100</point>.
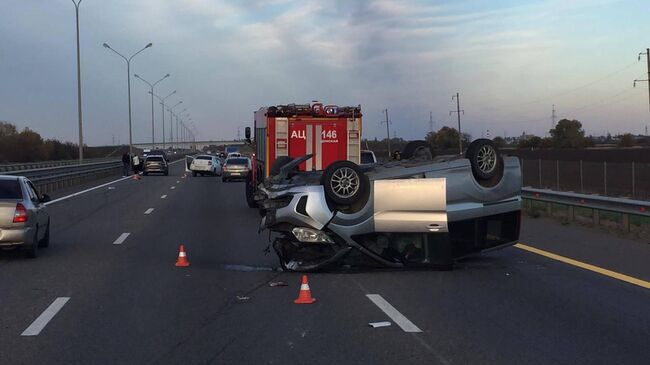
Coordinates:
<point>163,196</point>
<point>596,269</point>
<point>121,238</point>
<point>173,187</point>
<point>39,323</point>
<point>148,211</point>
<point>394,314</point>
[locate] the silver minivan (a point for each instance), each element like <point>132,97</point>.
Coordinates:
<point>24,220</point>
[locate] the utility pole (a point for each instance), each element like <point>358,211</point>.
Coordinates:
<point>387,131</point>
<point>81,135</point>
<point>431,122</point>
<point>647,54</point>
<point>458,111</point>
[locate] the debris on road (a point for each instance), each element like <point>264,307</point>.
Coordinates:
<point>278,283</point>
<point>243,298</point>
<point>379,324</point>
<point>111,188</point>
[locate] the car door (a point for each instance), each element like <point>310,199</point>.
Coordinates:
<point>41,213</point>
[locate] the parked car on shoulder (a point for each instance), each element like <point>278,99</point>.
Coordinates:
<point>206,165</point>
<point>155,164</point>
<point>24,220</point>
<point>236,168</point>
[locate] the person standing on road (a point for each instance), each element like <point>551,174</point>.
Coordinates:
<point>136,164</point>
<point>126,162</point>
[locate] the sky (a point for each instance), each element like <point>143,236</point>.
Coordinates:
<point>511,61</point>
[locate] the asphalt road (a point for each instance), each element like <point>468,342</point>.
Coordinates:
<point>129,304</point>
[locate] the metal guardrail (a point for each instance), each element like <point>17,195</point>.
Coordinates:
<point>596,203</point>
<point>34,174</point>
<point>4,168</point>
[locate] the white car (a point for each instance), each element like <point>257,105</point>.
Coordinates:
<point>233,155</point>
<point>206,164</point>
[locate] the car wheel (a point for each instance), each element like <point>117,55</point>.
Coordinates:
<point>166,173</point>
<point>417,149</point>
<point>32,252</point>
<point>194,173</point>
<point>145,173</point>
<point>484,158</point>
<point>279,163</point>
<point>45,242</point>
<point>223,179</point>
<point>250,192</point>
<point>344,183</point>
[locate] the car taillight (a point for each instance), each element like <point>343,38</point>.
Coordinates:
<point>20,215</point>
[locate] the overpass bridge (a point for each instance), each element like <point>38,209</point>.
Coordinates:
<point>193,145</point>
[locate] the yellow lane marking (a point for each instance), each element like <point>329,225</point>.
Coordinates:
<point>596,269</point>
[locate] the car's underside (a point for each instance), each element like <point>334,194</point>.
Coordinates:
<point>418,212</point>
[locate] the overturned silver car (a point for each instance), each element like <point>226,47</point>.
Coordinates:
<point>417,212</point>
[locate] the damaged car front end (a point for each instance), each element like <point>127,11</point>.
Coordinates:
<point>420,212</point>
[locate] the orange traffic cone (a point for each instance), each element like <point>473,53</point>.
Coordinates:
<point>182,257</point>
<point>304,297</point>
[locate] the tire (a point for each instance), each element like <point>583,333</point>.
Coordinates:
<point>45,242</point>
<point>194,173</point>
<point>223,179</point>
<point>145,173</point>
<point>484,158</point>
<point>279,163</point>
<point>250,192</point>
<point>344,183</point>
<point>417,149</point>
<point>32,252</point>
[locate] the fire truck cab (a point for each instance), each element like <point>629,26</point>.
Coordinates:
<point>328,132</point>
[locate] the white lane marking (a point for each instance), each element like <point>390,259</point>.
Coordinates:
<point>148,211</point>
<point>394,314</point>
<point>163,196</point>
<point>121,238</point>
<point>39,323</point>
<point>85,191</point>
<point>173,187</point>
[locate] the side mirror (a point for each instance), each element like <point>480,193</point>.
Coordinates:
<point>45,198</point>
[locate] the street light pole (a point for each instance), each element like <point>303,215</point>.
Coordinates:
<point>128,77</point>
<point>81,138</point>
<point>153,138</point>
<point>171,123</point>
<point>162,110</point>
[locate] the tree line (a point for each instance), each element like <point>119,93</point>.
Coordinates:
<point>28,146</point>
<point>566,134</point>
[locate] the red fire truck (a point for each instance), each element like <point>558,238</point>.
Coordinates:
<point>328,132</point>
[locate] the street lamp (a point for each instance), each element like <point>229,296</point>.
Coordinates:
<point>128,77</point>
<point>162,109</point>
<point>81,136</point>
<point>171,123</point>
<point>153,139</point>
<point>177,116</point>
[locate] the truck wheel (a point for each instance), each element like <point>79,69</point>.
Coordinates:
<point>250,192</point>
<point>344,183</point>
<point>417,149</point>
<point>484,157</point>
<point>279,163</point>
